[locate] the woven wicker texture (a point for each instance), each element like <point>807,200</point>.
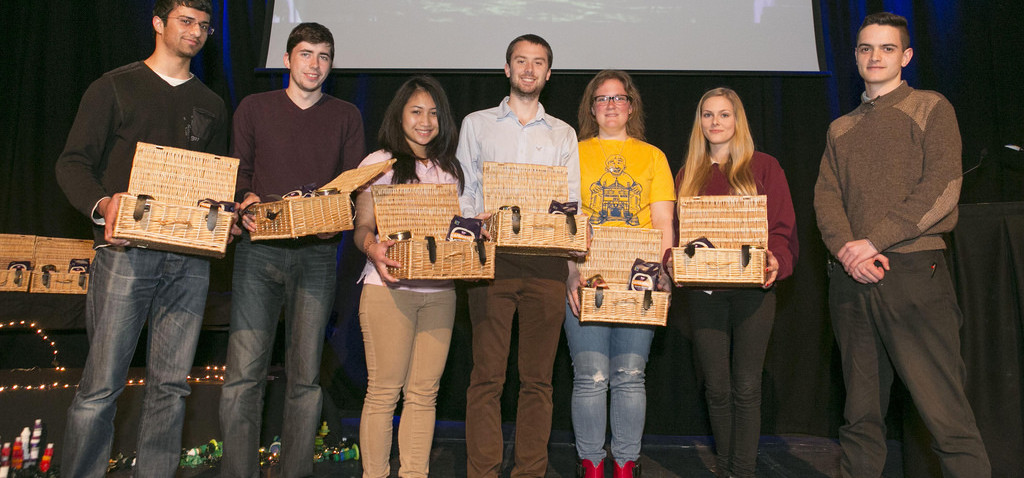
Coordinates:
<point>58,253</point>
<point>614,249</point>
<point>177,179</point>
<point>729,222</point>
<point>291,218</point>
<point>181,176</point>
<point>612,254</point>
<point>427,210</point>
<point>718,268</point>
<point>172,227</point>
<point>532,187</point>
<point>422,209</point>
<point>15,247</point>
<point>624,307</point>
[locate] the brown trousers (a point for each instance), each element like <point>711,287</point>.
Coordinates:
<point>541,305</point>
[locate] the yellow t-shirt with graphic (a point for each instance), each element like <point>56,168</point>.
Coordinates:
<point>620,180</point>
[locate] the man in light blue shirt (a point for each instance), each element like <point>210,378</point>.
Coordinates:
<point>516,131</point>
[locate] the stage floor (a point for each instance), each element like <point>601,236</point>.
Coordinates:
<point>662,457</point>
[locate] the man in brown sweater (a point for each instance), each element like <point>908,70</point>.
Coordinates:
<point>886,192</point>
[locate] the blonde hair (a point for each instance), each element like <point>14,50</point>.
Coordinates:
<point>587,121</point>
<point>697,167</point>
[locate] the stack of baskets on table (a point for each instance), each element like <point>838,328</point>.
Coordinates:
<point>425,211</point>
<point>612,254</point>
<point>16,254</point>
<point>325,210</point>
<point>737,229</point>
<point>45,264</point>
<point>176,201</point>
<point>519,196</point>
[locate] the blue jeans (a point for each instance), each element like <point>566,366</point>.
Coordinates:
<point>300,277</point>
<point>127,287</point>
<point>603,356</point>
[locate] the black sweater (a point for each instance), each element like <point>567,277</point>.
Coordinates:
<point>130,104</point>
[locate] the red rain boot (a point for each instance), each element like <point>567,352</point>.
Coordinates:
<point>630,470</point>
<point>586,469</point>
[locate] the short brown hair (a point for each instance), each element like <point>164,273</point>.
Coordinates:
<point>529,38</point>
<point>890,20</point>
<point>313,33</point>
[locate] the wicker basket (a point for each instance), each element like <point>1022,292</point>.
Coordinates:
<point>53,258</point>
<point>175,180</point>
<point>531,188</point>
<point>15,248</point>
<point>291,218</point>
<point>611,255</point>
<point>427,210</point>
<point>730,223</point>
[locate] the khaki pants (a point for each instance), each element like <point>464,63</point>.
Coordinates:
<point>406,334</point>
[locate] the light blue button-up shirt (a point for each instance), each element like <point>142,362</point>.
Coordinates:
<point>495,135</point>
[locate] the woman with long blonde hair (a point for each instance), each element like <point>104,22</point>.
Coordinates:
<point>731,327</point>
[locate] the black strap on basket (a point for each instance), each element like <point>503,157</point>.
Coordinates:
<point>481,251</point>
<point>598,297</point>
<point>141,206</point>
<point>432,248</point>
<point>47,269</point>
<point>648,299</point>
<point>81,280</point>
<point>211,217</point>
<point>570,220</point>
<point>17,277</point>
<point>745,255</point>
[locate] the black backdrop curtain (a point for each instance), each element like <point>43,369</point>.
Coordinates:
<point>54,49</point>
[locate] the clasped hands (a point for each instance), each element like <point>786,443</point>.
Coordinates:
<point>862,261</point>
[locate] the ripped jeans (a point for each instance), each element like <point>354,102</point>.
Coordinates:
<point>608,356</point>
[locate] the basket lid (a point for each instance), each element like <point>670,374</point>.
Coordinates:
<point>532,187</point>
<point>727,221</point>
<point>59,252</point>
<point>614,249</point>
<point>355,178</point>
<point>181,176</point>
<point>422,209</point>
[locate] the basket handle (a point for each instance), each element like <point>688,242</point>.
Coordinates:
<point>141,206</point>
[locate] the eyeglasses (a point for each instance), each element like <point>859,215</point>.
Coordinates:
<point>187,22</point>
<point>618,99</point>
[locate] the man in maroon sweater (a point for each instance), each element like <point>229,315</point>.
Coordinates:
<point>285,140</point>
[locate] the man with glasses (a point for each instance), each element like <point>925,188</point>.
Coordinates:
<point>156,101</point>
<point>516,131</point>
<point>294,139</point>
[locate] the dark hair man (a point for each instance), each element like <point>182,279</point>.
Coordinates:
<point>285,139</point>
<point>887,190</point>
<point>516,131</point>
<point>156,101</point>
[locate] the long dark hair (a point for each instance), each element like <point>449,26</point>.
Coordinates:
<point>440,150</point>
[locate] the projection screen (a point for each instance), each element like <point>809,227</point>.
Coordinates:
<point>636,35</point>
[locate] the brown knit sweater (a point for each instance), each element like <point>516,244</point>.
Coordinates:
<point>891,173</point>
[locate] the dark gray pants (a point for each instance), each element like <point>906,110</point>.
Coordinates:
<point>908,323</point>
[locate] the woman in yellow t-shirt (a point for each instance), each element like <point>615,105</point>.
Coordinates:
<point>625,182</point>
